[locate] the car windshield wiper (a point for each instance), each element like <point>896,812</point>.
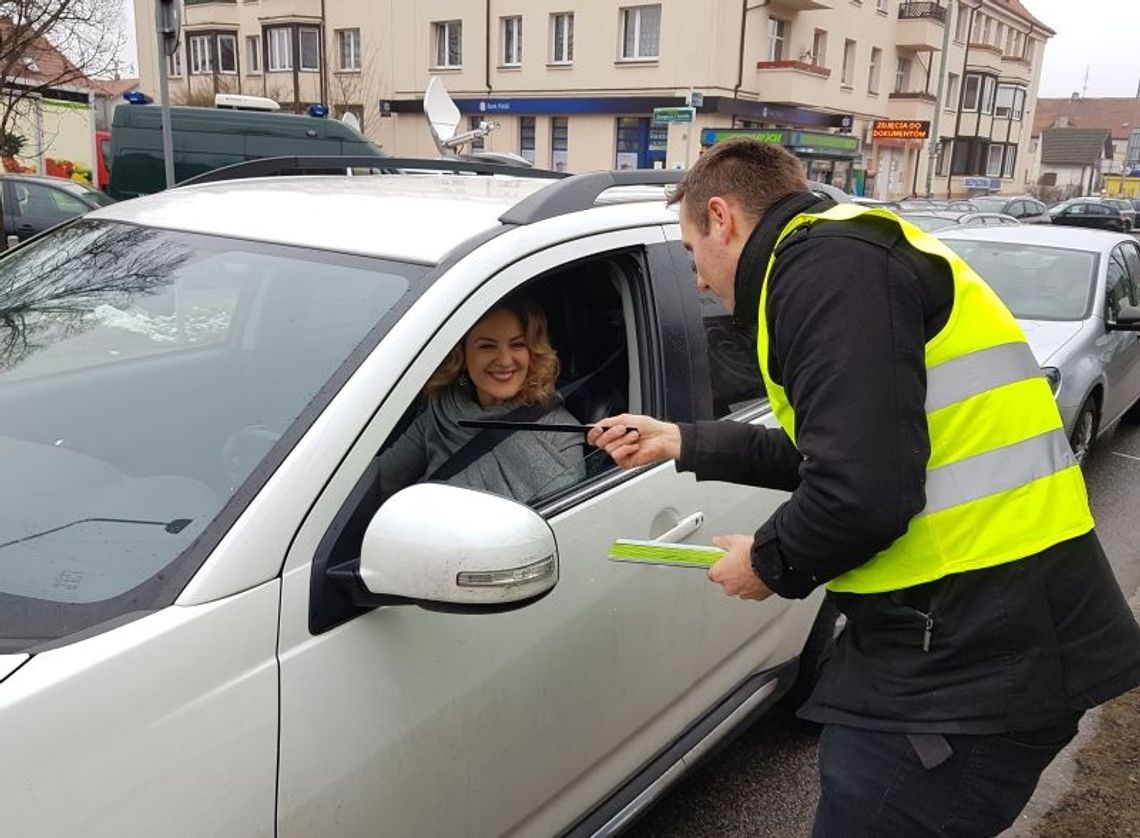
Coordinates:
<point>175,526</point>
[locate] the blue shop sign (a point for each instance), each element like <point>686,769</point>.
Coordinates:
<point>993,183</point>
<point>561,107</point>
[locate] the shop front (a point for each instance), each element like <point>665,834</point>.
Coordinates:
<point>827,158</point>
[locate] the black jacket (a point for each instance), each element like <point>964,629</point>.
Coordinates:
<point>849,311</point>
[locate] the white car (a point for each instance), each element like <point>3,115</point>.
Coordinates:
<point>207,627</point>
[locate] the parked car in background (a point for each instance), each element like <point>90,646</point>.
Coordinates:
<point>33,203</point>
<point>214,620</point>
<point>937,205</point>
<point>1076,294</point>
<point>1025,208</point>
<point>1126,210</point>
<point>826,190</point>
<point>893,206</point>
<point>935,220</point>
<point>1086,212</point>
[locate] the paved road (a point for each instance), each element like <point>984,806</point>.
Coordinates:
<point>765,783</point>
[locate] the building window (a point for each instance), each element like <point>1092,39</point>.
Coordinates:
<point>473,123</point>
<point>201,55</point>
<point>961,24</point>
<point>971,92</point>
<point>1010,161</point>
<point>1018,102</point>
<point>227,54</point>
<point>993,160</point>
<point>873,73</point>
<point>512,41</point>
<point>945,151</point>
<point>848,63</point>
<point>280,49</point>
<point>969,157</point>
<point>777,32</point>
<point>883,6</point>
<point>951,91</point>
<point>310,38</point>
<point>348,50</point>
<point>641,32</point>
<point>1003,101</point>
<point>447,38</point>
<point>988,85</point>
<point>562,38</point>
<point>559,142</point>
<point>819,48</point>
<point>1132,155</point>
<point>526,138</point>
<point>253,53</point>
<point>174,63</point>
<point>902,75</point>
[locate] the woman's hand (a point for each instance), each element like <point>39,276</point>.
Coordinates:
<point>634,440</point>
<point>734,571</point>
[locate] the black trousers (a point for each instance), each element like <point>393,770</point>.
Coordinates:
<point>875,785</point>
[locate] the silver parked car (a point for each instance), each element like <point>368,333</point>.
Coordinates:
<point>1076,294</point>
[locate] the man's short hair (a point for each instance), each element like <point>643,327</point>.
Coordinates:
<point>755,174</point>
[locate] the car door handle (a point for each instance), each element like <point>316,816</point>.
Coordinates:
<point>683,528</point>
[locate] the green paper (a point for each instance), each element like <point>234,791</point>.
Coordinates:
<point>664,553</point>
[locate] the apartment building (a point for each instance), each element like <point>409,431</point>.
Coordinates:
<point>849,86</point>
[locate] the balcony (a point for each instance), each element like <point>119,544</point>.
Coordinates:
<point>1017,68</point>
<point>911,106</point>
<point>802,5</point>
<point>791,81</point>
<point>921,26</point>
<point>984,58</point>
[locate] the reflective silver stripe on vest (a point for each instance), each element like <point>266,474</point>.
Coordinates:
<point>969,375</point>
<point>997,471</point>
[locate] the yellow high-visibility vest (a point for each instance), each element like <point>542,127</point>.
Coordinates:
<point>1001,481</point>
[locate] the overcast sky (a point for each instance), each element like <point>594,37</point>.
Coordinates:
<point>1102,35</point>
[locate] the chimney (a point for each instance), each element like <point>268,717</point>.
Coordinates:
<point>1076,96</point>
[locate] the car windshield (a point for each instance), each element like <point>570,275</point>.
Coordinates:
<point>989,204</point>
<point>929,223</point>
<point>1035,283</point>
<point>144,375</point>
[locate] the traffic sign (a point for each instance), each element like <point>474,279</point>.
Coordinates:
<point>673,114</point>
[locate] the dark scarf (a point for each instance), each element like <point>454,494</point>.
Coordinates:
<point>758,249</point>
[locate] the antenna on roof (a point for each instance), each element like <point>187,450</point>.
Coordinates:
<point>1085,89</point>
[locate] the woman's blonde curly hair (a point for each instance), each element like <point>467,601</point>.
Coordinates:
<point>544,365</point>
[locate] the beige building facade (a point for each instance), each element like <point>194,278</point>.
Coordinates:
<point>850,86</point>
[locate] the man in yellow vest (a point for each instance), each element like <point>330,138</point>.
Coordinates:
<point>933,492</point>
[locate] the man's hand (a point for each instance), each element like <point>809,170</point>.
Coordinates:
<point>734,571</point>
<point>634,440</point>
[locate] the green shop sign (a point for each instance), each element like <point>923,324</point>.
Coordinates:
<point>831,142</point>
<point>712,136</point>
<point>806,140</point>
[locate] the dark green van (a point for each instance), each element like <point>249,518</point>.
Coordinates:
<point>209,138</point>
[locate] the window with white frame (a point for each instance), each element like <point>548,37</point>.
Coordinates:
<point>971,92</point>
<point>1018,102</point>
<point>447,43</point>
<point>641,32</point>
<point>994,159</point>
<point>309,38</point>
<point>174,63</point>
<point>819,48</point>
<point>902,74</point>
<point>280,49</point>
<point>562,38</point>
<point>848,77</point>
<point>348,50</point>
<point>201,55</point>
<point>227,54</point>
<point>1010,161</point>
<point>952,82</point>
<point>873,72</point>
<point>1003,101</point>
<point>253,53</point>
<point>777,35</point>
<point>988,86</point>
<point>512,40</point>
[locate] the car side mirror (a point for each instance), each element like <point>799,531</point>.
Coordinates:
<point>1126,320</point>
<point>452,549</point>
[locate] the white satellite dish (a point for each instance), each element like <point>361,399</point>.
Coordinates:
<point>349,119</point>
<point>443,119</point>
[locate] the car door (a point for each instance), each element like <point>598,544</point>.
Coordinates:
<point>1074,215</point>
<point>404,721</point>
<point>39,207</point>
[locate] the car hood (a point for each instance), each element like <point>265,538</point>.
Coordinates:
<point>1047,337</point>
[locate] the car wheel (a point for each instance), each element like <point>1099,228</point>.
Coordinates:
<point>1084,431</point>
<point>829,622</point>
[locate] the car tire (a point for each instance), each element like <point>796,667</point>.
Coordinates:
<point>1085,429</point>
<point>828,624</point>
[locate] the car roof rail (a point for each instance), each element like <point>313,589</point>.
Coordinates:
<point>581,192</point>
<point>337,164</point>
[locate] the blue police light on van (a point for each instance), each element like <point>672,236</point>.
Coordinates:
<point>137,97</point>
<point>318,110</point>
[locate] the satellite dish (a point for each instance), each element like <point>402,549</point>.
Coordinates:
<point>349,119</point>
<point>442,113</point>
